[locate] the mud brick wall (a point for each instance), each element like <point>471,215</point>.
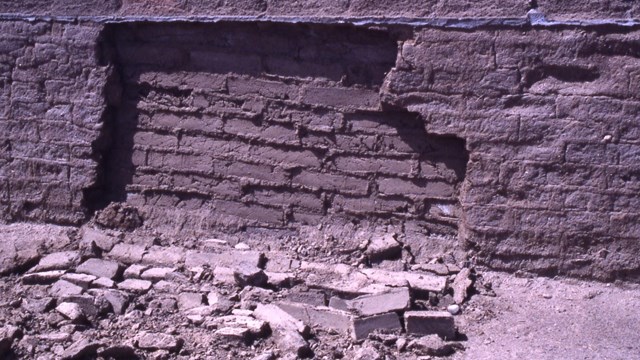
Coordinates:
<point>551,120</point>
<point>51,106</point>
<point>272,125</point>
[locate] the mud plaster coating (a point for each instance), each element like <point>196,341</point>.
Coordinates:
<point>547,118</point>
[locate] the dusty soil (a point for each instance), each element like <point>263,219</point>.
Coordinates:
<point>503,316</point>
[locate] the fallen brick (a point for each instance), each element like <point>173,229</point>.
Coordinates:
<point>320,316</point>
<point>42,278</point>
<point>156,274</point>
<point>82,280</point>
<point>158,341</point>
<point>461,285</point>
<point>393,300</point>
<point>167,256</point>
<point>135,285</point>
<point>63,288</point>
<point>362,327</point>
<point>430,322</point>
<point>287,329</point>
<point>424,282</point>
<point>58,261</point>
<point>383,247</point>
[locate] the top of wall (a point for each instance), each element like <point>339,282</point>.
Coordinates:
<point>554,9</point>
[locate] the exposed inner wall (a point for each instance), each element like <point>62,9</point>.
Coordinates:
<point>229,126</point>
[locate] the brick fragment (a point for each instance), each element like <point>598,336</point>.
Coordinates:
<point>362,327</point>
<point>100,268</point>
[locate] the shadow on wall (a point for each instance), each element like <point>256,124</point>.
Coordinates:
<point>269,124</point>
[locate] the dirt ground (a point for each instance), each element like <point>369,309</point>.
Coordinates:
<point>505,317</point>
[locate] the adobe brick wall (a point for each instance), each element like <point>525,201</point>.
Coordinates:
<point>51,109</point>
<point>521,144</point>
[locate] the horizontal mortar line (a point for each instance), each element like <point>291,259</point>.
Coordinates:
<point>446,23</point>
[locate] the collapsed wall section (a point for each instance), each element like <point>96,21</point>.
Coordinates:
<point>235,125</point>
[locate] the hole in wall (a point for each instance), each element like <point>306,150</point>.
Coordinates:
<point>269,125</point>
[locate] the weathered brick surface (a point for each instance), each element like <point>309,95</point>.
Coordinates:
<point>552,151</point>
<point>51,112</point>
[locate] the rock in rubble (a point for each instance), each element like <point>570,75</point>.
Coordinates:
<point>187,301</point>
<point>82,280</point>
<point>127,253</point>
<point>99,238</point>
<point>124,352</point>
<point>134,271</point>
<point>287,330</point>
<point>81,349</point>
<point>367,352</point>
<point>63,260</point>
<point>100,268</point>
<point>249,275</point>
<point>71,311</point>
<point>135,285</point>
<point>119,216</point>
<point>64,288</point>
<point>461,285</point>
<point>433,345</point>
<point>42,278</point>
<point>7,335</point>
<point>384,247</point>
<point>158,341</point>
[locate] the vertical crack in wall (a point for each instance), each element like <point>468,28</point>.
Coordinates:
<point>237,124</point>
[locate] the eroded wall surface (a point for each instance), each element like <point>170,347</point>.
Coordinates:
<point>518,143</point>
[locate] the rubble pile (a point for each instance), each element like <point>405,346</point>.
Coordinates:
<point>112,299</point>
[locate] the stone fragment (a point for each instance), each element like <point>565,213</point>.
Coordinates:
<point>188,301</point>
<point>321,316</point>
<point>339,304</point>
<point>99,238</point>
<point>63,260</point>
<point>436,268</point>
<point>103,282</point>
<point>135,285</point>
<point>42,278</point>
<point>235,333</point>
<point>392,300</point>
<point>430,322</point>
<point>91,306</point>
<point>384,247</point>
<point>433,345</point>
<point>165,256</point>
<point>287,330</point>
<point>367,352</point>
<point>134,271</point>
<point>165,286</point>
<point>249,275</point>
<point>280,280</point>
<point>228,258</point>
<point>55,337</point>
<point>266,356</point>
<point>156,273</point>
<point>158,341</point>
<point>71,311</point>
<point>453,309</point>
<point>461,285</point>
<point>203,310</point>
<point>213,244</point>
<point>81,349</point>
<point>118,352</point>
<point>118,300</point>
<point>100,268</point>
<point>256,327</point>
<point>277,317</point>
<point>127,253</point>
<point>38,306</point>
<point>82,280</point>
<point>64,288</point>
<point>224,276</point>
<point>362,327</point>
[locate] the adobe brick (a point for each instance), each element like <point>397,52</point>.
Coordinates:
<point>374,165</point>
<point>347,98</point>
<point>334,182</point>
<point>287,197</point>
<point>220,62</point>
<point>269,89</point>
<point>431,189</point>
